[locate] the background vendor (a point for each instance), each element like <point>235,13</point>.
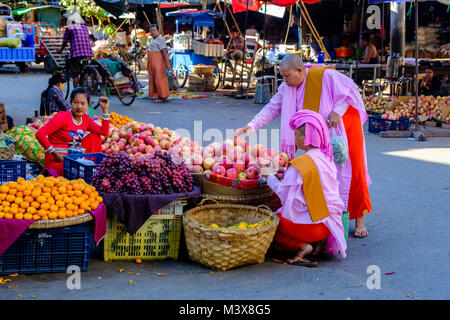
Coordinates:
<point>430,84</point>
<point>52,98</point>
<point>73,127</point>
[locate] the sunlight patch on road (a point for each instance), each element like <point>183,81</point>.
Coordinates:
<point>435,155</point>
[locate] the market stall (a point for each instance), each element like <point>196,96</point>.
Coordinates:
<point>193,58</point>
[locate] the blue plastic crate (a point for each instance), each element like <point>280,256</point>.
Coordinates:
<point>17,54</point>
<point>11,170</point>
<point>48,250</point>
<point>75,169</point>
<point>378,124</point>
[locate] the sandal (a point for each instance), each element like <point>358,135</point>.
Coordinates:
<point>159,100</point>
<point>302,262</point>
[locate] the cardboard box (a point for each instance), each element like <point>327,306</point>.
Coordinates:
<point>394,104</point>
<point>445,112</point>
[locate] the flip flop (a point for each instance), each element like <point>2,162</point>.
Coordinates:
<point>305,263</point>
<point>159,101</point>
<point>359,237</point>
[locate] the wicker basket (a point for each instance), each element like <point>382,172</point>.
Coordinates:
<point>8,152</point>
<point>228,248</point>
<point>203,69</point>
<point>57,223</point>
<point>251,199</point>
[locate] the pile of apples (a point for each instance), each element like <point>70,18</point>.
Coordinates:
<point>139,139</point>
<point>236,159</point>
<point>35,126</point>
<point>377,104</point>
<point>429,106</point>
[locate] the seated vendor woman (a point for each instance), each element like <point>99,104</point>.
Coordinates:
<point>73,128</point>
<point>311,212</point>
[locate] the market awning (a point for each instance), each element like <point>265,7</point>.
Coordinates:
<point>199,18</point>
<point>22,11</point>
<point>254,5</point>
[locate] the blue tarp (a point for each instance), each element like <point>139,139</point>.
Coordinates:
<point>198,18</point>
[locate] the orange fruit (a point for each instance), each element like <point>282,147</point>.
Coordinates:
<point>10,198</point>
<point>22,210</point>
<point>61,215</point>
<point>44,218</point>
<point>8,216</point>
<point>49,184</point>
<point>69,214</point>
<point>60,179</point>
<point>21,187</point>
<point>62,190</point>
<point>99,199</point>
<point>69,187</point>
<point>27,192</point>
<point>29,199</point>
<point>54,192</point>
<point>21,180</point>
<point>19,216</point>
<point>19,194</point>
<point>13,191</point>
<point>14,205</point>
<point>2,214</point>
<point>81,211</point>
<point>51,201</point>
<point>59,197</point>
<point>24,204</point>
<point>78,193</point>
<point>70,193</point>
<point>42,212</point>
<point>76,187</point>
<point>14,211</point>
<point>40,177</point>
<point>4,189</point>
<point>6,209</point>
<point>1,208</point>
<point>68,200</point>
<point>52,215</point>
<point>46,190</point>
<point>60,203</point>
<point>31,210</point>
<point>78,201</point>
<point>36,193</point>
<point>35,204</point>
<point>28,216</point>
<point>36,217</point>
<point>6,204</point>
<point>2,196</point>
<point>33,181</point>
<point>41,199</point>
<point>12,184</point>
<point>84,206</point>
<point>47,194</point>
<point>45,206</point>
<point>54,208</point>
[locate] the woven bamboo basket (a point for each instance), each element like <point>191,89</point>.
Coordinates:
<point>225,249</point>
<point>57,223</point>
<point>251,199</point>
<point>8,152</point>
<point>203,69</point>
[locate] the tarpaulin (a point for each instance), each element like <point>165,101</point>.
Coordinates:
<point>254,5</point>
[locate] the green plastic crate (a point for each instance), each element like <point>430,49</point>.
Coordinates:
<point>345,223</point>
<point>157,239</point>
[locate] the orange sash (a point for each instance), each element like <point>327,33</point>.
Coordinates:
<point>313,88</point>
<point>312,187</point>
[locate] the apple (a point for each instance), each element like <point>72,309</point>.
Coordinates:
<point>215,165</point>
<point>197,159</point>
<point>229,142</point>
<point>257,150</point>
<point>208,163</point>
<point>252,172</point>
<point>134,150</point>
<point>141,148</point>
<point>239,141</point>
<point>197,169</point>
<point>247,157</point>
<point>226,148</point>
<point>157,147</point>
<point>232,173</point>
<point>226,162</point>
<point>208,152</point>
<point>242,176</point>
<point>149,149</point>
<point>220,170</point>
<point>239,165</point>
<point>272,153</point>
<point>163,143</point>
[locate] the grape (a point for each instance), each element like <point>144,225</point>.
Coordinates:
<point>161,173</point>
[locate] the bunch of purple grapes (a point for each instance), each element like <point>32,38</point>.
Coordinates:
<point>161,173</point>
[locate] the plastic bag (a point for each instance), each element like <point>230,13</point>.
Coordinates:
<point>339,144</point>
<point>10,42</point>
<point>172,80</point>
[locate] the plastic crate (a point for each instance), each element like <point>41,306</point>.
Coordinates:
<point>17,54</point>
<point>11,170</point>
<point>48,250</point>
<point>157,239</point>
<point>377,124</point>
<point>75,169</point>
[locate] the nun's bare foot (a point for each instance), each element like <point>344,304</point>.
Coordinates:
<point>360,228</point>
<point>301,253</point>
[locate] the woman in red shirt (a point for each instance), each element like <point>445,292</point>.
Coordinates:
<point>73,128</point>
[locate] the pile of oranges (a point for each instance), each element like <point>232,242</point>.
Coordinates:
<point>45,198</point>
<point>118,120</point>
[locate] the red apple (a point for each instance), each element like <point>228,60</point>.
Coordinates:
<point>272,153</point>
<point>197,169</point>
<point>226,162</point>
<point>220,170</point>
<point>232,173</point>
<point>239,165</point>
<point>197,159</point>
<point>252,172</point>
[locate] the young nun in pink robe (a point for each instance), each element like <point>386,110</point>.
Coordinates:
<point>297,230</point>
<point>341,106</point>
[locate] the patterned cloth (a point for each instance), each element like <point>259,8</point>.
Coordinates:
<point>55,102</point>
<point>157,44</point>
<point>80,43</point>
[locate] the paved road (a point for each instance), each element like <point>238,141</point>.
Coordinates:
<point>408,227</point>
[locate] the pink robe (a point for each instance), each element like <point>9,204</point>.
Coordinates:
<point>338,92</point>
<point>295,209</point>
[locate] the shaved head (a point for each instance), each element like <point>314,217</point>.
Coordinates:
<point>292,61</point>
